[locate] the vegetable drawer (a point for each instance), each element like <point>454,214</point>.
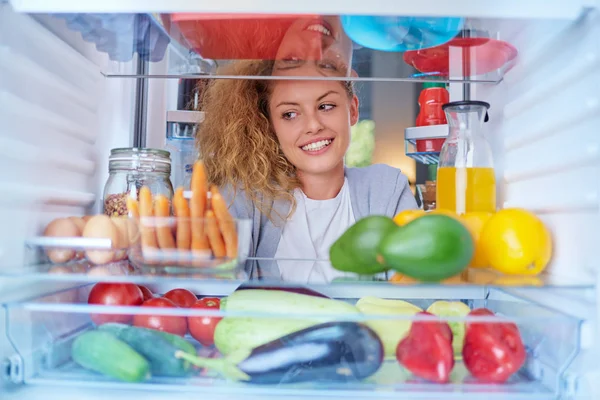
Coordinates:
<point>290,341</point>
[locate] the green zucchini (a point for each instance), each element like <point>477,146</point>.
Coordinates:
<point>285,303</point>
<point>159,351</point>
<point>103,352</point>
<point>245,333</point>
<point>234,334</point>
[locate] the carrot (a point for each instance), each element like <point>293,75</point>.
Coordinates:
<point>214,235</point>
<point>226,222</point>
<point>132,207</point>
<point>198,207</point>
<point>182,211</point>
<point>146,228</point>
<point>163,231</point>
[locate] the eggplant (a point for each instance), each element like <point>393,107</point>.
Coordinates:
<point>328,352</point>
<point>291,289</point>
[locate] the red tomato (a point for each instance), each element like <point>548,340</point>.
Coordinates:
<point>114,294</point>
<point>203,328</point>
<point>493,351</point>
<point>146,292</point>
<point>181,297</point>
<point>166,323</point>
<point>427,350</point>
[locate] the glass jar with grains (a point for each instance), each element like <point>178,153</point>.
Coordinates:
<point>129,170</point>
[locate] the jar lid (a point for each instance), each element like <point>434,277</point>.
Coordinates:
<point>141,159</point>
<point>140,154</point>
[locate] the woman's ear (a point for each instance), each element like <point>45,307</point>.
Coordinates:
<point>354,110</point>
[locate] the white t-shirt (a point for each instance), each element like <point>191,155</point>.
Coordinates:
<point>309,234</point>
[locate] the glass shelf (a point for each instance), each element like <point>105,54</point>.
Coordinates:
<point>338,47</point>
<point>265,272</point>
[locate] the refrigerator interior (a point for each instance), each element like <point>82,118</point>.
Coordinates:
<point>67,98</point>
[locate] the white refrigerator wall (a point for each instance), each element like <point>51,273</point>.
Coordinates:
<point>59,118</point>
<point>544,128</point>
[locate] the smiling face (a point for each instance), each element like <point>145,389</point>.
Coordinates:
<point>312,122</point>
<point>318,40</point>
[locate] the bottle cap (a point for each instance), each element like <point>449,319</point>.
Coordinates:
<point>427,85</point>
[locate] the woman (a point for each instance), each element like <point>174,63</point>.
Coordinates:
<point>276,148</point>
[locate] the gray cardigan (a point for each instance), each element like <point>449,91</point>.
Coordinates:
<point>374,190</point>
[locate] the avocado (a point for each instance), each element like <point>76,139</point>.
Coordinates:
<point>429,248</point>
<point>356,250</point>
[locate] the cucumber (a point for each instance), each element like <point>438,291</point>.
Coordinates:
<point>178,342</point>
<point>159,351</point>
<point>113,327</point>
<point>117,328</point>
<point>103,352</point>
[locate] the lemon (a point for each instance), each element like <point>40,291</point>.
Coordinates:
<point>475,221</point>
<point>406,216</point>
<point>516,242</point>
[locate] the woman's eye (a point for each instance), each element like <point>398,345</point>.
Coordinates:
<point>326,107</point>
<point>288,115</point>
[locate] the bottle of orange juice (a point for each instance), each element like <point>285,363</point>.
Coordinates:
<point>465,179</point>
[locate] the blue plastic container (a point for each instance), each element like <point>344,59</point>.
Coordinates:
<point>399,34</point>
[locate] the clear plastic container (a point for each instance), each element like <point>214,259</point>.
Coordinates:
<point>129,170</point>
<point>223,249</point>
<point>329,363</point>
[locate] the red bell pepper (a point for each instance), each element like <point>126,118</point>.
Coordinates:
<point>492,351</point>
<point>427,350</point>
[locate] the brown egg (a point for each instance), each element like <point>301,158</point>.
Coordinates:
<point>61,227</point>
<point>80,222</point>
<point>101,226</point>
<point>123,244</point>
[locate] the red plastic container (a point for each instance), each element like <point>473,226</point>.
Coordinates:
<point>486,55</point>
<point>231,36</point>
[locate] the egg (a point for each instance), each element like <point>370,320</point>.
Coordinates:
<point>123,244</point>
<point>80,222</point>
<point>61,227</point>
<point>101,226</point>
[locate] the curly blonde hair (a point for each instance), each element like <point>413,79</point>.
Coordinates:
<point>237,142</point>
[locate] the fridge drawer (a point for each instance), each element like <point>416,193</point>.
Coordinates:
<point>340,361</point>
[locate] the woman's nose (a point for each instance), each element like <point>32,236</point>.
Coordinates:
<point>313,124</point>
